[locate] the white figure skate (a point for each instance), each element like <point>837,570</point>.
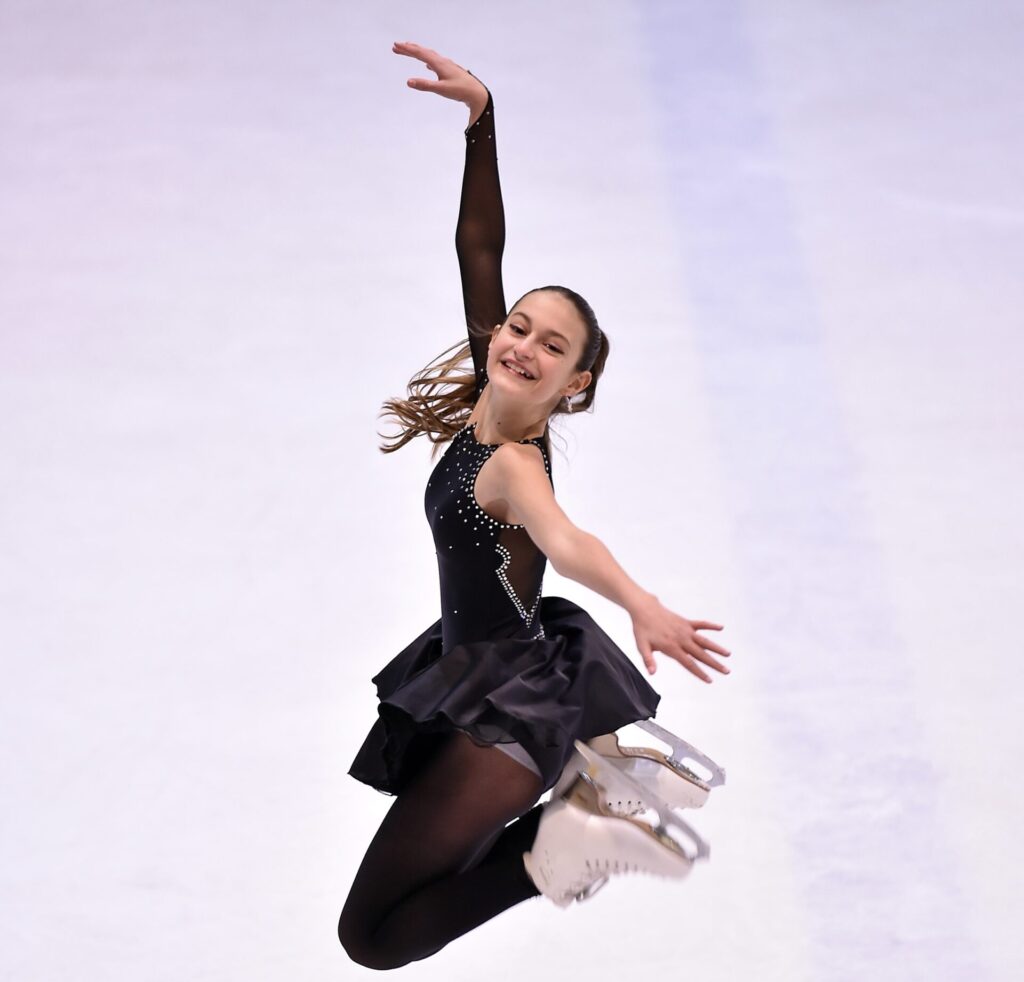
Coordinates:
<point>665,775</point>
<point>581,842</point>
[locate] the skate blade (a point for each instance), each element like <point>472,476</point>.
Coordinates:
<point>607,745</point>
<point>681,751</point>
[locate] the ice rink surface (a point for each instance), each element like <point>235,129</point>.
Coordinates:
<point>228,236</point>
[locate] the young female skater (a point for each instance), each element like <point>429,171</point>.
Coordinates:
<point>491,705</point>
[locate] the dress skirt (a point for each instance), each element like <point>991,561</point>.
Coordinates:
<point>573,684</point>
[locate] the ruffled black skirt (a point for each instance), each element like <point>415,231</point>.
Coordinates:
<point>573,684</point>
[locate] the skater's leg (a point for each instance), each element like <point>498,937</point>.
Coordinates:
<point>516,837</point>
<point>416,888</point>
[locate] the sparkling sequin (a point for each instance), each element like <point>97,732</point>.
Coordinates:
<point>506,558</point>
<point>490,569</point>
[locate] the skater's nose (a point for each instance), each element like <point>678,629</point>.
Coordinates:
<point>522,354</point>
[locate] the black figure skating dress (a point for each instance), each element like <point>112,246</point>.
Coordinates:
<point>503,663</point>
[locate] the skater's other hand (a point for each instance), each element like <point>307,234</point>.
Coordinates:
<point>656,628</point>
<point>453,81</point>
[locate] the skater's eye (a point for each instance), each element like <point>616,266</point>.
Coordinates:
<point>554,347</point>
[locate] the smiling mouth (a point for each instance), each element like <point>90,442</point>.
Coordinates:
<point>517,372</point>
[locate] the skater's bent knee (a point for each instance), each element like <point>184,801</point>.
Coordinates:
<point>360,947</point>
<point>355,941</point>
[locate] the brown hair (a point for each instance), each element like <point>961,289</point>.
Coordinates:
<point>439,415</point>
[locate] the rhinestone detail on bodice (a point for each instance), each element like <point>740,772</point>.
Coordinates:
<point>490,571</point>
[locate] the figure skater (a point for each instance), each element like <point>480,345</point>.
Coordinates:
<point>511,693</point>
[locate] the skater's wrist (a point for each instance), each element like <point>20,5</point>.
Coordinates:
<point>477,102</point>
<point>640,601</point>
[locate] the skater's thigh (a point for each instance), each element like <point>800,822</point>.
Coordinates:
<point>454,807</point>
<point>463,796</point>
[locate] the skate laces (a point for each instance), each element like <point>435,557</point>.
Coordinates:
<point>598,872</point>
<point>632,806</point>
<point>660,817</point>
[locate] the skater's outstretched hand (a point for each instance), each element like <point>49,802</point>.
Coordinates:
<point>453,81</point>
<point>656,628</point>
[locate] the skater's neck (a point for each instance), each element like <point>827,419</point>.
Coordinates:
<point>498,420</point>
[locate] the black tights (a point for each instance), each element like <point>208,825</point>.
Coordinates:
<point>443,861</point>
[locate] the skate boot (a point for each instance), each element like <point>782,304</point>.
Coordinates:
<point>666,776</point>
<point>581,842</point>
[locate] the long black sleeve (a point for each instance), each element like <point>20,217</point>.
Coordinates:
<point>480,238</point>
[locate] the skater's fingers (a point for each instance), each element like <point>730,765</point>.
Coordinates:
<point>690,665</point>
<point>429,58</point>
<point>686,659</point>
<point>711,646</point>
<point>706,625</point>
<point>647,653</point>
<point>412,50</point>
<point>443,67</point>
<point>701,655</point>
<point>426,84</point>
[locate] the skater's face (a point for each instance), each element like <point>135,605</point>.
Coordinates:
<point>544,335</point>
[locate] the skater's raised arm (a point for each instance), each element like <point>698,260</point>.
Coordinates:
<point>480,230</point>
<point>480,237</point>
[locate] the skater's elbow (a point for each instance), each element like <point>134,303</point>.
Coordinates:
<point>559,539</point>
<point>568,549</point>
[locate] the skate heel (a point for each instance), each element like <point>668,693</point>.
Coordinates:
<point>581,841</point>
